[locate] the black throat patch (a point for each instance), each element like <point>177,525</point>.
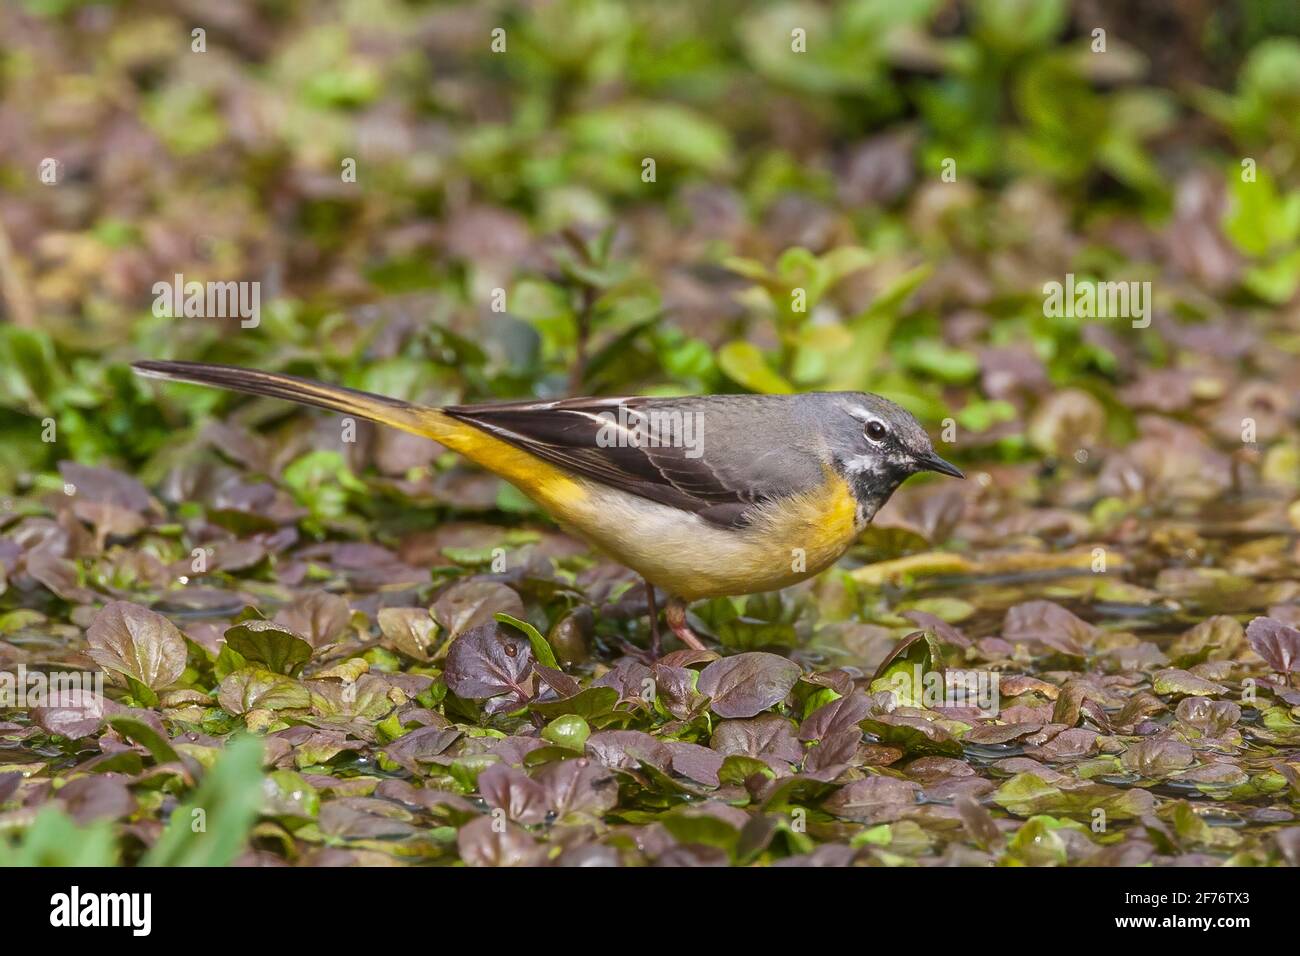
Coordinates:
<point>872,482</point>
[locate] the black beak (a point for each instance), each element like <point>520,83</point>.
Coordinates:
<point>932,462</point>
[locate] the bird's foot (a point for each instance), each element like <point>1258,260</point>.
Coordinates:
<point>676,615</point>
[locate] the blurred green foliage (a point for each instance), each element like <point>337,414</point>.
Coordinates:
<point>523,169</point>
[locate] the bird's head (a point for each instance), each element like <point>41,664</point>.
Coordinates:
<point>875,444</point>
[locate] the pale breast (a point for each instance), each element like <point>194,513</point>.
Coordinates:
<point>787,541</point>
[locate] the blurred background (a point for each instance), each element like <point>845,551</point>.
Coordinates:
<point>465,201</point>
<point>478,170</point>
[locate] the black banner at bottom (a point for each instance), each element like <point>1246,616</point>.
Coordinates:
<point>274,904</point>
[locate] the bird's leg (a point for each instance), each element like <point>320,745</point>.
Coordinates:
<point>676,615</point>
<point>656,649</point>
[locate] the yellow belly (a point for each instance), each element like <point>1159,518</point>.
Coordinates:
<point>680,552</point>
<point>687,556</point>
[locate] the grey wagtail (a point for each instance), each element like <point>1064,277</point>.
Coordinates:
<point>703,496</point>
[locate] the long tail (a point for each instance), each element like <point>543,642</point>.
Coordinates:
<point>429,422</point>
<point>545,483</point>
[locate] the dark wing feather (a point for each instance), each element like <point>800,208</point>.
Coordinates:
<point>566,432</point>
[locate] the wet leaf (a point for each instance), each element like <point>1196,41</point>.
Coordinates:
<point>1157,757</point>
<point>569,730</point>
<point>1049,624</point>
<point>541,649</point>
<point>912,735</point>
<point>522,799</point>
<point>765,736</point>
<point>1180,683</point>
<point>97,797</point>
<point>319,617</point>
<point>482,843</point>
<point>904,672</point>
<point>1027,794</point>
<point>873,799</point>
<point>137,643</point>
<point>253,688</point>
<point>411,630</point>
<point>489,661</point>
<point>265,643</point>
<point>1277,643</point>
<point>470,604</point>
<point>578,790</point>
<point>747,684</point>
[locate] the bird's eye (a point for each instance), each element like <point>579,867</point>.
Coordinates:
<point>876,431</point>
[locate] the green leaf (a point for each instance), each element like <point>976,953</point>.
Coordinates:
<point>745,365</point>
<point>228,661</point>
<point>137,643</point>
<point>320,481</point>
<point>568,730</point>
<point>288,794</point>
<point>30,375</point>
<point>701,828</point>
<point>872,329</point>
<point>1037,843</point>
<point>1275,281</point>
<point>211,827</point>
<point>159,747</point>
<point>749,268</point>
<point>267,643</point>
<point>1027,794</point>
<point>54,839</point>
<point>949,365</point>
<point>914,738</point>
<point>663,130</point>
<point>737,768</point>
<point>1014,25</point>
<point>592,702</point>
<point>904,671</point>
<point>142,694</point>
<point>843,261</point>
<point>897,292</point>
<point>541,648</point>
<point>255,688</point>
<point>1258,218</point>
